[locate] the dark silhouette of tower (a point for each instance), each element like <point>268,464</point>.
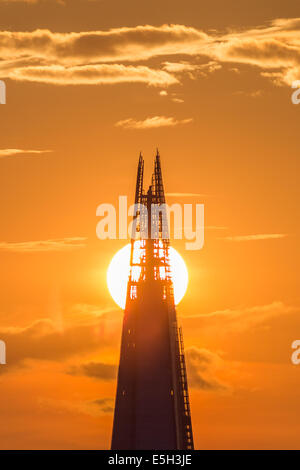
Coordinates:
<point>152,404</point>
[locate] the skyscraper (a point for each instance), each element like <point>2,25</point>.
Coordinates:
<point>152,404</point>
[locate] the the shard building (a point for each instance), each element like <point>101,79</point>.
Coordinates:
<point>152,408</point>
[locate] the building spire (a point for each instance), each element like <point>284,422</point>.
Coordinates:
<point>139,180</point>
<point>159,186</point>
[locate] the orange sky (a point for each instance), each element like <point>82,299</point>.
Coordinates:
<point>218,81</point>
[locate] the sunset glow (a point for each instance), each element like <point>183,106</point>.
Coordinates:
<point>119,268</point>
<point>86,88</point>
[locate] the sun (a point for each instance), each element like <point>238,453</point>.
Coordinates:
<point>118,272</point>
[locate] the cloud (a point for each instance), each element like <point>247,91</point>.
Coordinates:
<point>43,340</point>
<point>84,313</point>
<point>13,152</point>
<point>239,319</point>
<point>126,44</point>
<point>202,365</point>
<point>102,74</point>
<point>184,67</point>
<point>153,122</point>
<point>275,46</point>
<point>99,57</point>
<point>58,244</point>
<point>177,67</point>
<point>91,408</point>
<point>105,404</point>
<point>96,370</point>
<point>264,236</point>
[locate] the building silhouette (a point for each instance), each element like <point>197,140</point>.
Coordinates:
<point>152,408</point>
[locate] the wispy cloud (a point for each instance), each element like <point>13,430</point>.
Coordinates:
<point>153,122</point>
<point>44,340</point>
<point>14,152</point>
<point>262,236</point>
<point>274,48</point>
<point>125,44</point>
<point>96,370</point>
<point>191,68</point>
<point>59,244</point>
<point>91,408</point>
<point>202,365</point>
<point>178,67</point>
<point>239,319</point>
<point>105,404</point>
<point>101,74</point>
<point>86,57</point>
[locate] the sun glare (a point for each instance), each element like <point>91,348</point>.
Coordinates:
<point>118,272</point>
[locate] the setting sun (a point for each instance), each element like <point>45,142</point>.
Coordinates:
<point>118,272</point>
